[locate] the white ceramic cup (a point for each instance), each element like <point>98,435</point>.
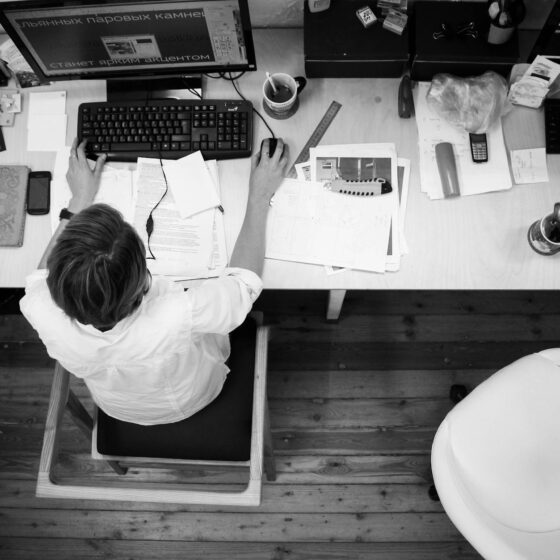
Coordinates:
<point>288,89</point>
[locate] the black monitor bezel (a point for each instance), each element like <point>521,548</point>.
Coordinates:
<point>123,73</point>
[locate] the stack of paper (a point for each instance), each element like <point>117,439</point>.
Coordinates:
<point>474,178</point>
<point>46,121</point>
<point>312,221</point>
<point>188,240</point>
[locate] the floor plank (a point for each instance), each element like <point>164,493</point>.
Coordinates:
<point>88,549</point>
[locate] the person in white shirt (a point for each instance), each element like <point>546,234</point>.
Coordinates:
<point>149,351</point>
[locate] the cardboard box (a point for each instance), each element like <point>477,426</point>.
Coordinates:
<point>458,55</point>
<point>337,45</point>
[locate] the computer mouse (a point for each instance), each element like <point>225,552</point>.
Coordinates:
<point>272,143</point>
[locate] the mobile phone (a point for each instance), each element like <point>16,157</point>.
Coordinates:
<point>39,193</point>
<point>479,147</point>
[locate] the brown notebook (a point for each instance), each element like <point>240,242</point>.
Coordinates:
<point>13,190</point>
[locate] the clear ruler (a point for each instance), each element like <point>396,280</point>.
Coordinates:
<point>316,135</point>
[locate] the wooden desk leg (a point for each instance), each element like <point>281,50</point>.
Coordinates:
<point>336,299</point>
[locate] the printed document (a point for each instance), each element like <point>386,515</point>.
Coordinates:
<point>177,246</point>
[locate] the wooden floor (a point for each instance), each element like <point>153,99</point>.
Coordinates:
<point>354,407</point>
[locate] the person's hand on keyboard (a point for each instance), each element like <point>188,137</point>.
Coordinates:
<point>267,172</point>
<point>82,179</point>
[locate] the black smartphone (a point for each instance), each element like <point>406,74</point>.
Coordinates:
<point>39,193</point>
<point>479,147</point>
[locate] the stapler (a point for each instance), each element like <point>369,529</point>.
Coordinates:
<point>406,101</point>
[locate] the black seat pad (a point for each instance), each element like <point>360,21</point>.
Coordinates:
<point>219,432</point>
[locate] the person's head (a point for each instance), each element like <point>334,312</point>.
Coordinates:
<point>97,270</point>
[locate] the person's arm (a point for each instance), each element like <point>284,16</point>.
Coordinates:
<point>84,184</point>
<point>266,175</point>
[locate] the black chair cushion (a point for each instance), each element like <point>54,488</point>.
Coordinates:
<point>219,432</point>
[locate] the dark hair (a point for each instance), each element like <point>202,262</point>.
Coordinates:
<point>97,268</point>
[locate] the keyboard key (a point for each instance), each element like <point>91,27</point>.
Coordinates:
<point>129,147</point>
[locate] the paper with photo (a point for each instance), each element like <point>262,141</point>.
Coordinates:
<point>403,171</point>
<point>355,162</point>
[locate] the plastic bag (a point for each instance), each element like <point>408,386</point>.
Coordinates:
<point>473,103</point>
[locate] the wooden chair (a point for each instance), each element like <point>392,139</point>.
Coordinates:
<point>102,428</point>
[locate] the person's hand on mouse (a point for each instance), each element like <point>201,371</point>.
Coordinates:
<point>82,179</point>
<point>267,172</point>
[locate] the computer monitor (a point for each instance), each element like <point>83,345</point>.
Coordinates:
<point>108,39</point>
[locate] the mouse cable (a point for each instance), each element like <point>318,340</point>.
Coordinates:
<point>232,80</point>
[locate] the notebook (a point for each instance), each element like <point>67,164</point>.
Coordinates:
<point>13,189</point>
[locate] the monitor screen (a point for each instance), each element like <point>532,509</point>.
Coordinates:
<point>108,38</point>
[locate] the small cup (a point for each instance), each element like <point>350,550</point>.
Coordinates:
<point>544,234</point>
<point>284,103</point>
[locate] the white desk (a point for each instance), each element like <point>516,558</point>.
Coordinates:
<point>476,242</point>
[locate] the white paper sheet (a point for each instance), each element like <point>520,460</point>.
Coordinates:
<point>191,185</point>
<point>46,133</point>
<point>529,166</point>
<point>474,178</point>
<point>46,121</point>
<point>310,224</point>
<point>47,103</point>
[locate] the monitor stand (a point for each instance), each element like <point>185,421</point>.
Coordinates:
<point>161,87</point>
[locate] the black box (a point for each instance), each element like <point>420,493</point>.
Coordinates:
<point>459,55</point>
<point>337,45</point>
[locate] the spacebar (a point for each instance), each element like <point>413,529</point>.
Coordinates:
<point>132,147</point>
